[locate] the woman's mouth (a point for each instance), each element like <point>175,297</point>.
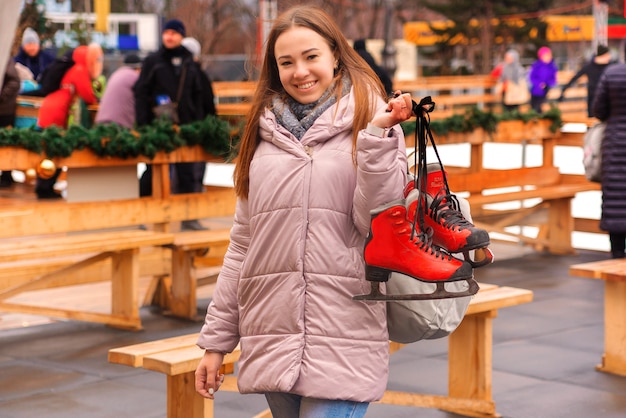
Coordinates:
<point>306,85</point>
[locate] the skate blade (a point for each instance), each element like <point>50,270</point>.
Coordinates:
<point>439,293</point>
<point>482,257</point>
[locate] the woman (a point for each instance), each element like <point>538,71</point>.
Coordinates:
<point>609,105</point>
<point>320,149</point>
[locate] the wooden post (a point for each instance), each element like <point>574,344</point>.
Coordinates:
<point>470,360</point>
<point>125,287</point>
<point>182,399</point>
<point>183,292</point>
<point>614,358</point>
<point>560,226</point>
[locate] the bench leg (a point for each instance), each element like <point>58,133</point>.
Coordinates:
<point>470,363</point>
<point>560,226</point>
<point>125,288</point>
<point>614,358</point>
<point>182,399</point>
<point>183,302</point>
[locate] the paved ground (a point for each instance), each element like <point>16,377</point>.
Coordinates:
<point>544,358</point>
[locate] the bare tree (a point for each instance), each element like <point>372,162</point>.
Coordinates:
<point>221,26</point>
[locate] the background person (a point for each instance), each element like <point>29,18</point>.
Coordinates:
<point>118,100</point>
<point>360,48</point>
<point>320,149</point>
<point>609,105</point>
<point>542,78</point>
<point>32,56</point>
<point>55,107</point>
<point>160,79</point>
<point>593,69</point>
<point>8,107</point>
<point>511,83</point>
<point>208,102</point>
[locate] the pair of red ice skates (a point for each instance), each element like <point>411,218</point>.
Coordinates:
<point>417,236</point>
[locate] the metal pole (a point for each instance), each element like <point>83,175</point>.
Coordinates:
<point>389,50</point>
<point>601,23</point>
<point>267,15</point>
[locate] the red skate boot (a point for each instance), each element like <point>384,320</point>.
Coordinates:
<point>451,230</point>
<point>394,245</point>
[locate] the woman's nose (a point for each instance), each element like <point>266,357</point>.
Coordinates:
<point>301,70</point>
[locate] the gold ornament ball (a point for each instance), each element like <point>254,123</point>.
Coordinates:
<point>46,169</point>
<point>31,174</point>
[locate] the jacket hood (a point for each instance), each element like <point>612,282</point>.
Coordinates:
<point>80,55</point>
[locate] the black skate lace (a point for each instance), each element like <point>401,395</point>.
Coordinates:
<point>444,210</point>
<point>424,241</point>
<point>421,235</point>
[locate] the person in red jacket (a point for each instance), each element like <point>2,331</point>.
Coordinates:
<point>76,82</point>
<point>55,108</point>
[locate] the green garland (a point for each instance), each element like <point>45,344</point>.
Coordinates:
<point>474,118</point>
<point>111,140</point>
<point>213,134</point>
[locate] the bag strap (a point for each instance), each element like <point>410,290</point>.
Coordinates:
<point>180,84</point>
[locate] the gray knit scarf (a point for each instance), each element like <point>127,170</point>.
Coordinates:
<point>297,118</point>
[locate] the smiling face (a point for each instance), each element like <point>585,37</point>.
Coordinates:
<point>305,63</point>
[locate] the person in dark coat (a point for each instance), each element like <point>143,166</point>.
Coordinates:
<point>593,69</point>
<point>208,98</point>
<point>208,104</point>
<point>359,47</point>
<point>159,81</point>
<point>8,107</point>
<point>609,105</point>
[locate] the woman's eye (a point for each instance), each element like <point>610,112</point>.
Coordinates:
<point>311,57</point>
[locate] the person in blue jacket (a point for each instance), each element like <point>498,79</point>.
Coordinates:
<point>31,55</point>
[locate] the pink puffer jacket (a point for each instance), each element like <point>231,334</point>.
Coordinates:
<point>295,261</point>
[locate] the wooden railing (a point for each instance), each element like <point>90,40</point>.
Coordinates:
<point>453,94</point>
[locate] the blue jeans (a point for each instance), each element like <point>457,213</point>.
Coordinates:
<point>287,405</point>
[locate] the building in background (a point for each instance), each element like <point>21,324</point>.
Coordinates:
<point>126,31</point>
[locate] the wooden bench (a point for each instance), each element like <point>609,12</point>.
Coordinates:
<point>541,196</point>
<point>27,109</point>
<point>225,91</point>
<point>28,219</point>
<point>186,248</point>
<point>233,99</point>
<point>121,247</point>
<point>469,363</point>
<point>191,259</point>
<point>613,272</point>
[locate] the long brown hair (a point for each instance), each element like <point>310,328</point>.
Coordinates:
<point>364,81</point>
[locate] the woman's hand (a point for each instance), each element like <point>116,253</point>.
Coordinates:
<point>208,376</point>
<point>399,109</point>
